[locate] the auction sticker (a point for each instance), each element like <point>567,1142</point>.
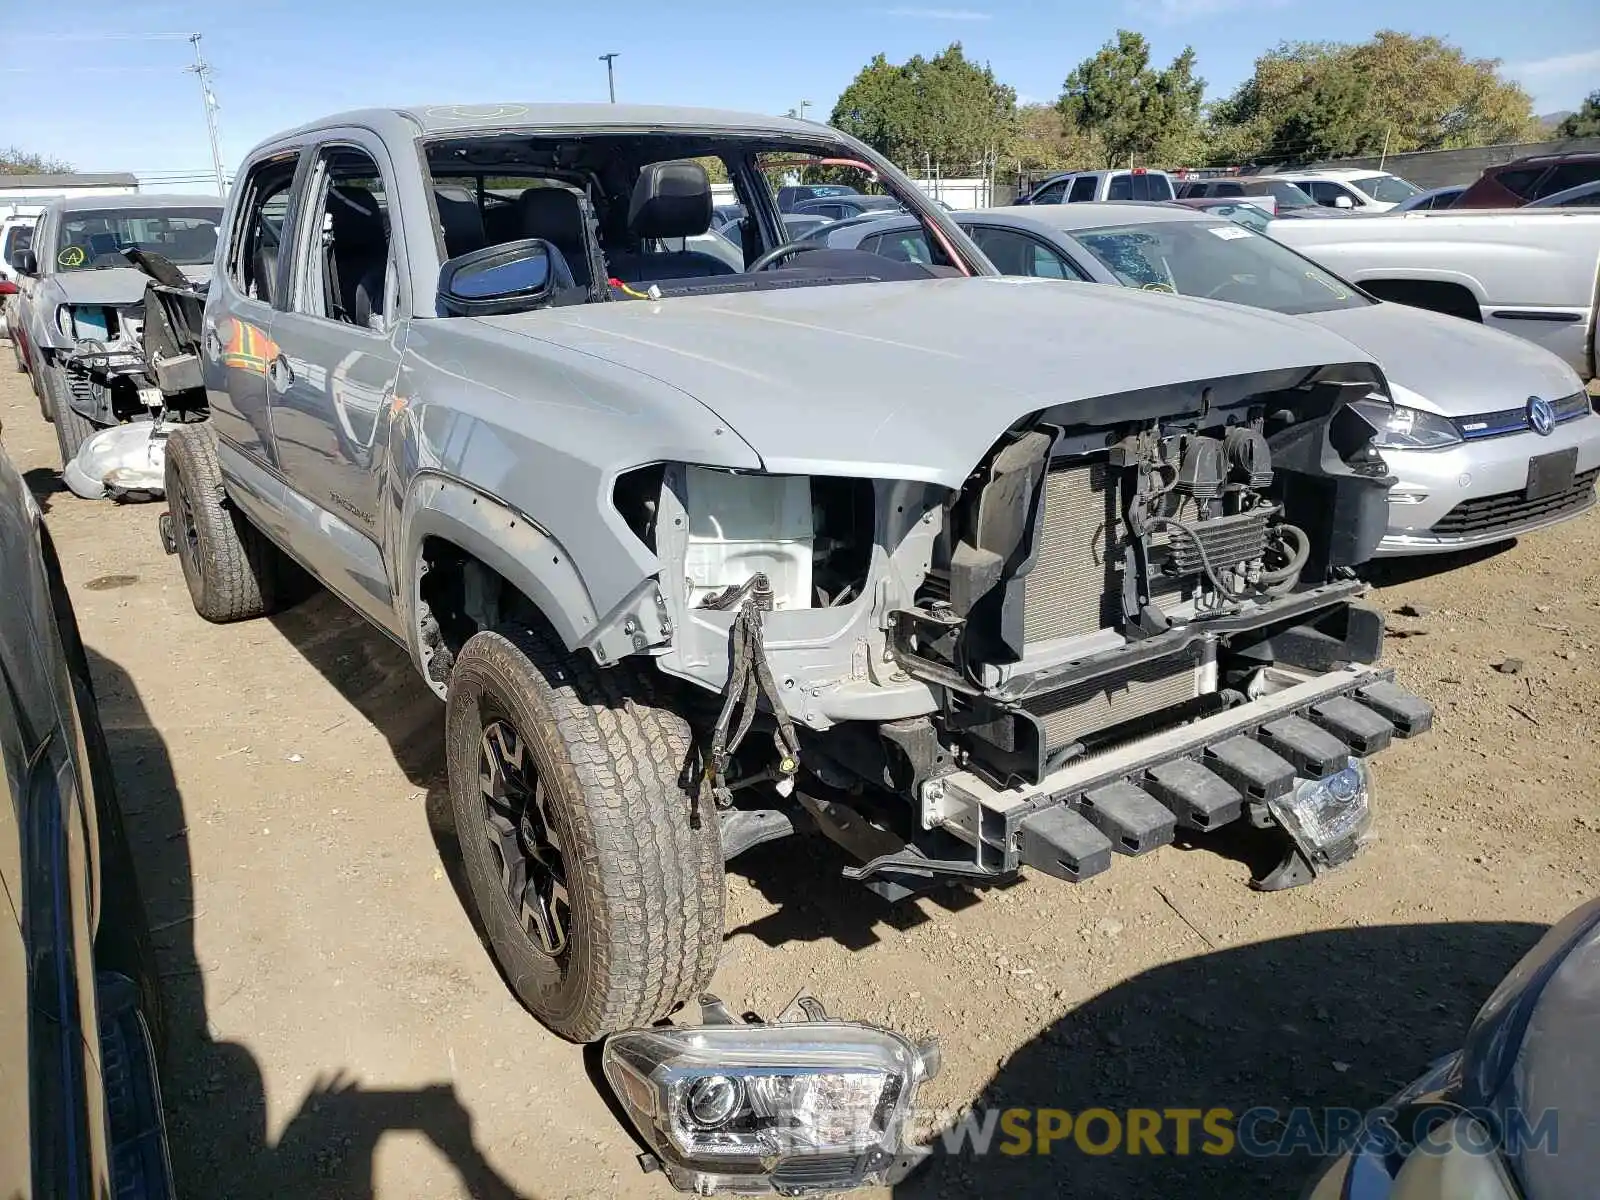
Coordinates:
<point>1228,232</point>
<point>71,256</point>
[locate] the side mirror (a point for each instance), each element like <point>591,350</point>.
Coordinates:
<point>510,277</point>
<point>24,262</point>
<point>1343,202</point>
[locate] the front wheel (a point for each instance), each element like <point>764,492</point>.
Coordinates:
<point>232,570</point>
<point>597,878</point>
<point>72,427</point>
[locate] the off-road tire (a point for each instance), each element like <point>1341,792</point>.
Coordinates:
<point>72,427</point>
<point>642,857</point>
<point>233,571</point>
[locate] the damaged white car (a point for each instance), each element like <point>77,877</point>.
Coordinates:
<point>98,270</point>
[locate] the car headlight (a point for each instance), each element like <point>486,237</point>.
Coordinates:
<point>64,321</point>
<point>1401,428</point>
<point>1329,817</point>
<point>788,1108</point>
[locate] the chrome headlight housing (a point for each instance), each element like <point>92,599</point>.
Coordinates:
<point>786,1108</point>
<point>1401,428</point>
<point>1329,818</point>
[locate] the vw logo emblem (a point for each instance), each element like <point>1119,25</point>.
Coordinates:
<point>1541,416</point>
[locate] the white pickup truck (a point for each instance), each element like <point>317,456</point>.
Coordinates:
<point>1534,273</point>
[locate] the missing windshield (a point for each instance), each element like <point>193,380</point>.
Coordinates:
<point>651,214</point>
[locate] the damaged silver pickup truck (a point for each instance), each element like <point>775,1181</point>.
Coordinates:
<point>968,573</point>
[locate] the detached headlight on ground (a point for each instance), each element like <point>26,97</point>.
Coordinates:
<point>1329,817</point>
<point>1401,428</point>
<point>787,1108</point>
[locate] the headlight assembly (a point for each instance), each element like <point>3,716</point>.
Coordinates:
<point>788,1108</point>
<point>1401,428</point>
<point>1329,817</point>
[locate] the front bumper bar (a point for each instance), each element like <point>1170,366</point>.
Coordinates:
<point>1132,799</point>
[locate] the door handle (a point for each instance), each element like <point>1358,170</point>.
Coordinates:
<point>281,373</point>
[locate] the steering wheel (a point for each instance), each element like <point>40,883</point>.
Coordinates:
<point>1227,285</point>
<point>779,253</point>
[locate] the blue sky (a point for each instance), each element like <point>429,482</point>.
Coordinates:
<point>113,96</point>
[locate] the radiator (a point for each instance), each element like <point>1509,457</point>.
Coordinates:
<point>1075,585</point>
<point>1085,708</point>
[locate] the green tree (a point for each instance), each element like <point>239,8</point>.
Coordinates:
<point>1135,112</point>
<point>945,111</point>
<point>1042,141</point>
<point>1316,100</point>
<point>1583,123</point>
<point>22,162</point>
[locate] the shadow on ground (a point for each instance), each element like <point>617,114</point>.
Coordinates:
<point>214,1090</point>
<point>800,876</point>
<point>377,677</point>
<point>1392,572</point>
<point>44,483</point>
<point>1341,1017</point>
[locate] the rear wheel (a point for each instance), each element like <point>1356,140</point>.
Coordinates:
<point>232,570</point>
<point>597,878</point>
<point>72,427</point>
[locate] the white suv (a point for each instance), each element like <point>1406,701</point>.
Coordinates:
<point>1133,183</point>
<point>1363,191</point>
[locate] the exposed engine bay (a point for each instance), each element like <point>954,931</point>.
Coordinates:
<point>1060,552</point>
<point>134,368</point>
<point>1092,590</point>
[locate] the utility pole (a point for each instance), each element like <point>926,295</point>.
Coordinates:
<point>1384,157</point>
<point>202,71</point>
<point>611,78</point>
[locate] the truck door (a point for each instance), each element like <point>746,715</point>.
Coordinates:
<point>236,333</point>
<point>339,341</point>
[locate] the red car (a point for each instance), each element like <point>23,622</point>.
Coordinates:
<point>1513,184</point>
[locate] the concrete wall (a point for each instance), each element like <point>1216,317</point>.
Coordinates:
<point>1442,168</point>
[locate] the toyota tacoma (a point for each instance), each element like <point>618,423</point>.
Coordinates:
<point>967,573</point>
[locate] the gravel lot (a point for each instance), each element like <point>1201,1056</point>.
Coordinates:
<point>339,1031</point>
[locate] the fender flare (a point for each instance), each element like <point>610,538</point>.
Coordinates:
<point>1441,275</point>
<point>504,540</point>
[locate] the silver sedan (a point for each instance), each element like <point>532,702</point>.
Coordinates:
<point>1493,437</point>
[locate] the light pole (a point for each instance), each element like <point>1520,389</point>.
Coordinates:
<point>202,71</point>
<point>611,78</point>
<point>804,104</point>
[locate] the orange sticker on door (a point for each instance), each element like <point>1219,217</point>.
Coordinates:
<point>246,348</point>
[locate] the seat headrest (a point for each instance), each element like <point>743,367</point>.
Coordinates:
<point>357,219</point>
<point>552,213</point>
<point>671,199</point>
<point>462,224</point>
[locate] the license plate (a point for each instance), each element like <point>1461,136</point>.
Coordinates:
<point>1551,474</point>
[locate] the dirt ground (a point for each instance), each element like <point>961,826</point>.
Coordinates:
<point>338,1030</point>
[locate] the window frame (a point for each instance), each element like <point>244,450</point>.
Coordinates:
<point>1357,200</point>
<point>1039,197</point>
<point>1549,184</point>
<point>1077,273</point>
<point>311,186</point>
<point>238,220</point>
<point>1093,188</point>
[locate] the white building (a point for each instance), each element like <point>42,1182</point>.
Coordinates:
<point>26,195</point>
